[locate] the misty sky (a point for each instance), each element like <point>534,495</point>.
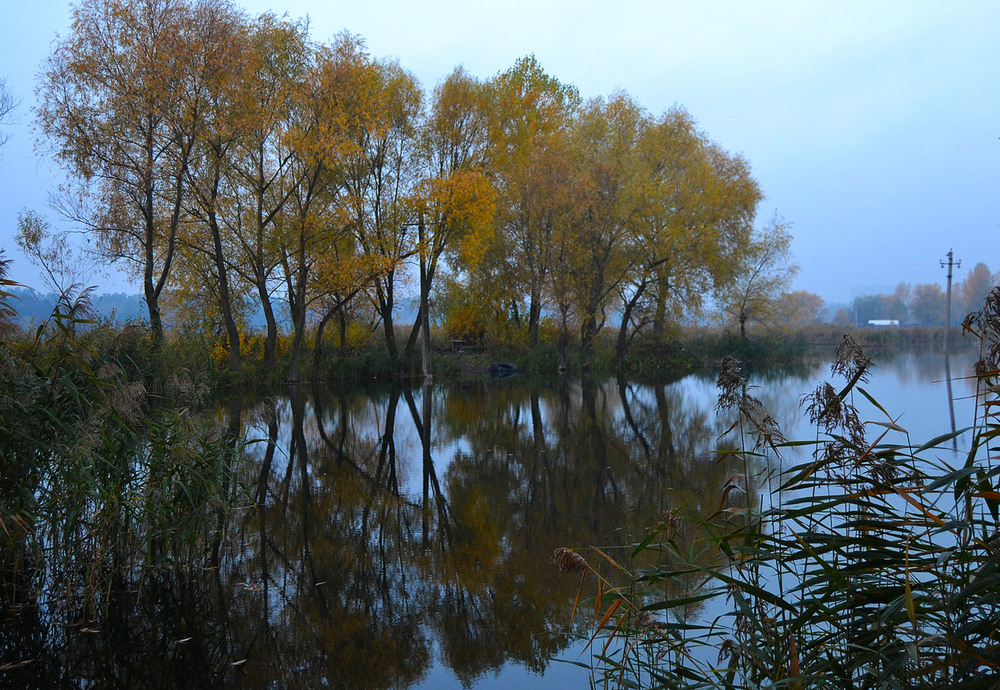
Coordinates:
<point>872,127</point>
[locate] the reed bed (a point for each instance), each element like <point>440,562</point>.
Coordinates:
<point>872,563</point>
<point>101,485</point>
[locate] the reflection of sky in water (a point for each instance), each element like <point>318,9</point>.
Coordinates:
<point>910,387</point>
<point>558,675</point>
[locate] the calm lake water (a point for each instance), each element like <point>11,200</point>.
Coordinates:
<point>401,538</point>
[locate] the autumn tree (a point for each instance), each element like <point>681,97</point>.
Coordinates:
<point>697,213</point>
<point>220,33</point>
<point>530,107</point>
<point>278,57</point>
<point>376,173</point>
<point>341,276</point>
<point>379,176</point>
<point>928,305</point>
<point>560,193</point>
<point>765,271</point>
<point>601,245</point>
<point>841,318</point>
<point>120,100</point>
<point>973,290</point>
<point>798,308</point>
<point>8,103</point>
<point>323,136</point>
<point>455,198</point>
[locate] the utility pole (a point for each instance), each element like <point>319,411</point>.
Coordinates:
<point>947,313</point>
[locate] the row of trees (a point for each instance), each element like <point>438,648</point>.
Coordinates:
<point>237,164</point>
<point>924,304</point>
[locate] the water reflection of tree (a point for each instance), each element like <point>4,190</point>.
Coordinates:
<point>324,567</point>
<point>107,596</point>
<point>329,577</point>
<point>570,465</point>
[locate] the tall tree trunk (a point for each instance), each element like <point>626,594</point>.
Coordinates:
<point>153,307</point>
<point>587,334</point>
<point>271,339</point>
<point>626,319</point>
<point>563,346</point>
<point>222,275</point>
<point>534,316</point>
<point>226,306</point>
<point>342,322</point>
<point>411,340</point>
<point>425,339</point>
<point>298,324</point>
<point>260,272</point>
<point>318,342</point>
<point>297,282</point>
<point>383,294</point>
<point>426,276</point>
<point>660,314</point>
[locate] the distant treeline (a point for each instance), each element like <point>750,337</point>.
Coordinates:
<point>924,305</point>
<point>34,308</point>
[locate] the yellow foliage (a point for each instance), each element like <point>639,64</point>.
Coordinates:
<point>251,347</point>
<point>459,209</point>
<point>358,335</point>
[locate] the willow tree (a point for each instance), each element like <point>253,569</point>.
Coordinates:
<point>698,205</point>
<point>221,33</point>
<point>599,250</point>
<point>530,108</point>
<point>455,199</point>
<point>560,197</point>
<point>764,272</point>
<point>263,176</point>
<point>378,171</point>
<point>120,101</point>
<point>322,136</point>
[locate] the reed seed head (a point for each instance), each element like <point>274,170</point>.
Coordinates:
<point>731,384</point>
<point>727,649</point>
<point>569,561</point>
<point>850,360</point>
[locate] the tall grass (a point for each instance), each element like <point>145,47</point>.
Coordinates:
<point>872,563</point>
<point>99,483</point>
